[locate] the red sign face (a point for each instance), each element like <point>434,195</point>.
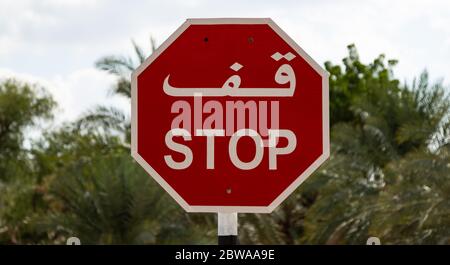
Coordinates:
<point>230,115</point>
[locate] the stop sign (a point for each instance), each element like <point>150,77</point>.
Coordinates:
<point>230,115</point>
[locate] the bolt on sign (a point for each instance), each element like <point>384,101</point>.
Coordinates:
<point>230,115</point>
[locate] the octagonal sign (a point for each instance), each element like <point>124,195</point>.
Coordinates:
<point>230,115</point>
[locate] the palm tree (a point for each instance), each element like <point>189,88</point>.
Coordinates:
<point>122,67</point>
<point>110,118</point>
<point>387,175</point>
<point>386,126</point>
<point>109,200</point>
<point>105,197</point>
<point>416,206</point>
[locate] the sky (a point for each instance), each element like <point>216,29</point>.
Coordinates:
<point>55,43</point>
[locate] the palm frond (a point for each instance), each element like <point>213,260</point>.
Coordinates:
<point>117,65</point>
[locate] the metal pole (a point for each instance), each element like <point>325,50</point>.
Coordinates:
<point>227,229</point>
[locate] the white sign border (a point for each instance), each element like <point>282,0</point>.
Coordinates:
<point>232,209</point>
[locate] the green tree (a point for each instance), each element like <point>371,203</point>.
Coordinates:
<point>379,129</point>
<point>387,176</point>
<point>22,108</point>
<point>105,197</point>
<point>415,207</point>
<point>383,128</point>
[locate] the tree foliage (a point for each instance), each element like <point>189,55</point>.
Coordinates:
<point>387,176</point>
<point>22,108</point>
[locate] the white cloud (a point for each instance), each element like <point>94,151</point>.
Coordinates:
<point>73,33</point>
<point>56,42</point>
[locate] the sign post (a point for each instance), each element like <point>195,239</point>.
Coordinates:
<point>230,116</point>
<point>227,228</point>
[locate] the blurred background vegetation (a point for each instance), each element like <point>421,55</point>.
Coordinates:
<point>388,175</point>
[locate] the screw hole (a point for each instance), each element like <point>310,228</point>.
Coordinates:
<point>205,39</point>
<point>250,40</point>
